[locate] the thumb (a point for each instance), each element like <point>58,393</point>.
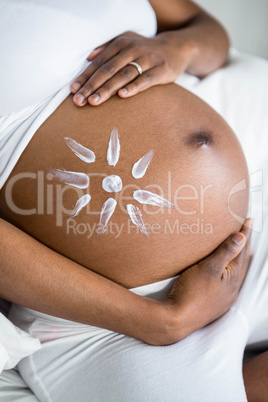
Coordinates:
<point>227,251</point>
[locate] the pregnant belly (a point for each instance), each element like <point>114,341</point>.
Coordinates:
<point>40,203</point>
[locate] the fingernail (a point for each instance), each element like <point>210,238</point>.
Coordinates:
<point>124,91</point>
<point>95,97</point>
<point>79,98</point>
<point>250,223</point>
<point>238,239</point>
<point>75,86</point>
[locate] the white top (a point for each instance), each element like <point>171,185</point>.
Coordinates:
<point>207,365</point>
<point>46,45</point>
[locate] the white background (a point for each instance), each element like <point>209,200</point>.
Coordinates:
<point>245,20</point>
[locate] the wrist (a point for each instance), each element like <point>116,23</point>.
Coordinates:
<point>182,43</point>
<point>166,324</point>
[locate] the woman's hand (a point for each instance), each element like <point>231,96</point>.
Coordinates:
<point>38,278</point>
<point>209,288</point>
<point>162,59</point>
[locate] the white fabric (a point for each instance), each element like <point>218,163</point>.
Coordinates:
<point>15,344</point>
<point>80,362</point>
<point>46,45</point>
<point>14,389</point>
<point>89,362</point>
<point>239,93</point>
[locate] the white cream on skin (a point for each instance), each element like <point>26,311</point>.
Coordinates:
<point>81,152</point>
<point>106,213</point>
<point>139,168</point>
<point>112,183</point>
<point>76,179</point>
<point>146,197</point>
<point>136,218</point>
<point>113,151</point>
<point>80,204</point>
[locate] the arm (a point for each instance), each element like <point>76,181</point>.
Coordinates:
<point>38,278</point>
<point>182,20</point>
<point>188,39</point>
<point>255,374</point>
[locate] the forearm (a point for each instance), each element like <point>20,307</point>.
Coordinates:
<point>205,40</point>
<point>255,374</point>
<point>38,278</point>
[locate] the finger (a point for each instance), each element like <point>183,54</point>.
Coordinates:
<point>79,81</point>
<point>120,79</point>
<point>110,50</point>
<point>106,71</point>
<point>95,52</point>
<point>107,63</point>
<point>225,253</point>
<point>243,259</point>
<point>148,79</point>
<point>110,87</point>
<point>247,227</point>
<point>247,232</point>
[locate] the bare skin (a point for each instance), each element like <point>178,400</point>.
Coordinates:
<point>199,46</point>
<point>191,143</point>
<point>188,39</point>
<point>255,373</point>
<point>41,279</point>
<point>157,323</point>
<point>153,322</point>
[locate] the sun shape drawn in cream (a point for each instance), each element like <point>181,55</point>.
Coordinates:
<point>111,183</point>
